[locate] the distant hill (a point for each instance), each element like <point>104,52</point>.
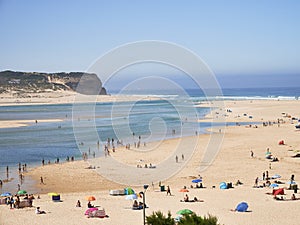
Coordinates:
<point>35,82</point>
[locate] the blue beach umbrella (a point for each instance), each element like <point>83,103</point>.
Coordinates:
<point>6,194</point>
<point>197,181</point>
<point>223,185</point>
<point>131,197</point>
<point>273,185</point>
<point>276,176</point>
<point>242,207</point>
<point>291,182</point>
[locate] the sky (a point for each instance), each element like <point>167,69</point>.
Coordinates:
<point>238,39</point>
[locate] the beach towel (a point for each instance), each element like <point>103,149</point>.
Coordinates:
<point>97,213</point>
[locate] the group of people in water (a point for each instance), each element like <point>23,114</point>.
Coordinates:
<point>57,160</point>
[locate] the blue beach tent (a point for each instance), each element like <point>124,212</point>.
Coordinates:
<point>242,207</point>
<point>223,185</point>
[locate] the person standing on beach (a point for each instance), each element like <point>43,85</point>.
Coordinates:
<point>168,190</point>
<point>42,180</point>
<point>11,202</point>
<point>264,175</point>
<point>252,154</point>
<point>292,177</point>
<point>256,182</point>
<point>182,157</point>
<point>176,159</point>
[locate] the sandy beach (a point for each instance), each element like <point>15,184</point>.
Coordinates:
<point>233,162</point>
<point>63,97</point>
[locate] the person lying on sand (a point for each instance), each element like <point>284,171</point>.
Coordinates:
<point>193,200</point>
<point>279,198</point>
<point>38,211</point>
<point>238,183</point>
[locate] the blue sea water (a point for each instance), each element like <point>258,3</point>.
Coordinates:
<point>51,140</point>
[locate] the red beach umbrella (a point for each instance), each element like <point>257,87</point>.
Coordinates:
<point>90,198</point>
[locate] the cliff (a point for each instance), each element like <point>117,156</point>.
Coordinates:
<point>34,82</point>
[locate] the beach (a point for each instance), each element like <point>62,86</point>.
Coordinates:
<point>62,97</point>
<point>76,180</point>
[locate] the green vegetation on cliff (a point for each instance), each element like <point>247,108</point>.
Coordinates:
<point>34,82</point>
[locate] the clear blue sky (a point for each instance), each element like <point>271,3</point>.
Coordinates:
<point>233,37</point>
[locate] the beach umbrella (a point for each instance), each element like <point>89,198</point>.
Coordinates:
<point>280,191</point>
<point>22,192</point>
<point>197,180</point>
<point>291,182</point>
<point>184,212</point>
<point>178,218</point>
<point>223,185</point>
<point>131,197</point>
<point>129,191</point>
<point>6,194</point>
<point>273,185</point>
<point>242,207</point>
<point>90,198</point>
<point>53,194</point>
<point>183,190</point>
<point>276,176</point>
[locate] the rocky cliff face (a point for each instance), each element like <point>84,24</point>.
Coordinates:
<point>33,82</point>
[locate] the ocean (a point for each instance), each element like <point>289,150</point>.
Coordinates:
<point>127,122</point>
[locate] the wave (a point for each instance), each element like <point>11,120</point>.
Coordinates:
<point>223,97</point>
<point>275,98</point>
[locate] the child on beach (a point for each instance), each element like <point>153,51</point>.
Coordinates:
<point>38,211</point>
